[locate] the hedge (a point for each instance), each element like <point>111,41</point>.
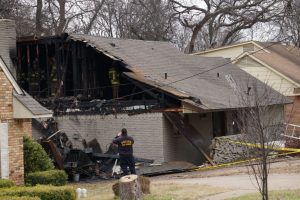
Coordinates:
<point>51,177</point>
<point>44,192</point>
<point>19,198</point>
<point>4,183</point>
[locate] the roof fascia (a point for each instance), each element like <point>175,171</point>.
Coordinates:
<point>20,111</point>
<point>229,46</point>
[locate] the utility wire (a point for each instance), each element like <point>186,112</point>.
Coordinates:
<point>191,76</point>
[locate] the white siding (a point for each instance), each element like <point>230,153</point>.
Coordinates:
<point>232,52</point>
<point>267,76</point>
<point>225,53</point>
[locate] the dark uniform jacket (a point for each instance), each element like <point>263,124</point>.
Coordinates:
<point>124,145</point>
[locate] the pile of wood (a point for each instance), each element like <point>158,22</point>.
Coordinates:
<point>224,150</point>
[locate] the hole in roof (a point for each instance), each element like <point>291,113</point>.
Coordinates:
<point>112,44</point>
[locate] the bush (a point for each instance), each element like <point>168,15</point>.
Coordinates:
<point>6,183</point>
<point>44,192</point>
<point>19,198</point>
<point>35,157</point>
<point>52,177</point>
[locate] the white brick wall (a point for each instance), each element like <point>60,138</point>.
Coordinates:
<point>146,129</point>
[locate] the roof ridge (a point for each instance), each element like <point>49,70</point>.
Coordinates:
<point>114,38</point>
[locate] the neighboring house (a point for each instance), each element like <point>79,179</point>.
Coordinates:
<point>17,109</point>
<point>275,64</point>
<point>173,104</point>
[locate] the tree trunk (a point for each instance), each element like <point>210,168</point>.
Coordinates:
<point>62,17</point>
<point>38,18</point>
<point>130,188</point>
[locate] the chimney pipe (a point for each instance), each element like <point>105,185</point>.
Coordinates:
<point>8,43</point>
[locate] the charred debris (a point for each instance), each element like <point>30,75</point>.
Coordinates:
<point>71,77</point>
<point>90,162</point>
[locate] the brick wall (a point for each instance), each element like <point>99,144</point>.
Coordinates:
<point>6,98</point>
<point>146,129</point>
<point>292,111</point>
<point>16,129</point>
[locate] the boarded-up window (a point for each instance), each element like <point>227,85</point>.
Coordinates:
<point>248,47</point>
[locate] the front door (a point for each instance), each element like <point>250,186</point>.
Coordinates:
<point>219,128</point>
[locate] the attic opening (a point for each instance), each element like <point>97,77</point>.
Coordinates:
<point>59,73</point>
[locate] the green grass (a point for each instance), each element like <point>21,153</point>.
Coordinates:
<point>273,195</point>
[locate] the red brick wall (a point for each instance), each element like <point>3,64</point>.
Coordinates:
<point>16,129</point>
<point>292,111</point>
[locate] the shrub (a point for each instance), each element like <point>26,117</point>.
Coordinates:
<point>19,198</point>
<point>35,157</point>
<point>6,183</point>
<point>44,192</point>
<point>52,177</point>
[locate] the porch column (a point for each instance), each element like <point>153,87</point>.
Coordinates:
<point>4,152</point>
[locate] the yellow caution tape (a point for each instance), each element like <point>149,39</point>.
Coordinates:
<point>291,151</point>
<point>267,147</point>
<point>236,162</point>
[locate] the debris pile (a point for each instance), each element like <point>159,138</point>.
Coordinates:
<point>80,104</point>
<point>89,162</point>
<point>224,150</point>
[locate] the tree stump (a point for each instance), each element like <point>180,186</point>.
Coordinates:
<point>130,188</point>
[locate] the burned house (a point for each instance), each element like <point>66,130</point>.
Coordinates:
<point>173,104</point>
<point>17,109</point>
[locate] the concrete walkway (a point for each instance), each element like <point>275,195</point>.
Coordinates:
<point>241,184</point>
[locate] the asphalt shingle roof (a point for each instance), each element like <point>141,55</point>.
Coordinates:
<point>283,58</point>
<point>212,88</point>
<point>32,105</point>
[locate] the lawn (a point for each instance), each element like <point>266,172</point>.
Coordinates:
<point>159,191</point>
<point>172,191</point>
<point>273,195</point>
